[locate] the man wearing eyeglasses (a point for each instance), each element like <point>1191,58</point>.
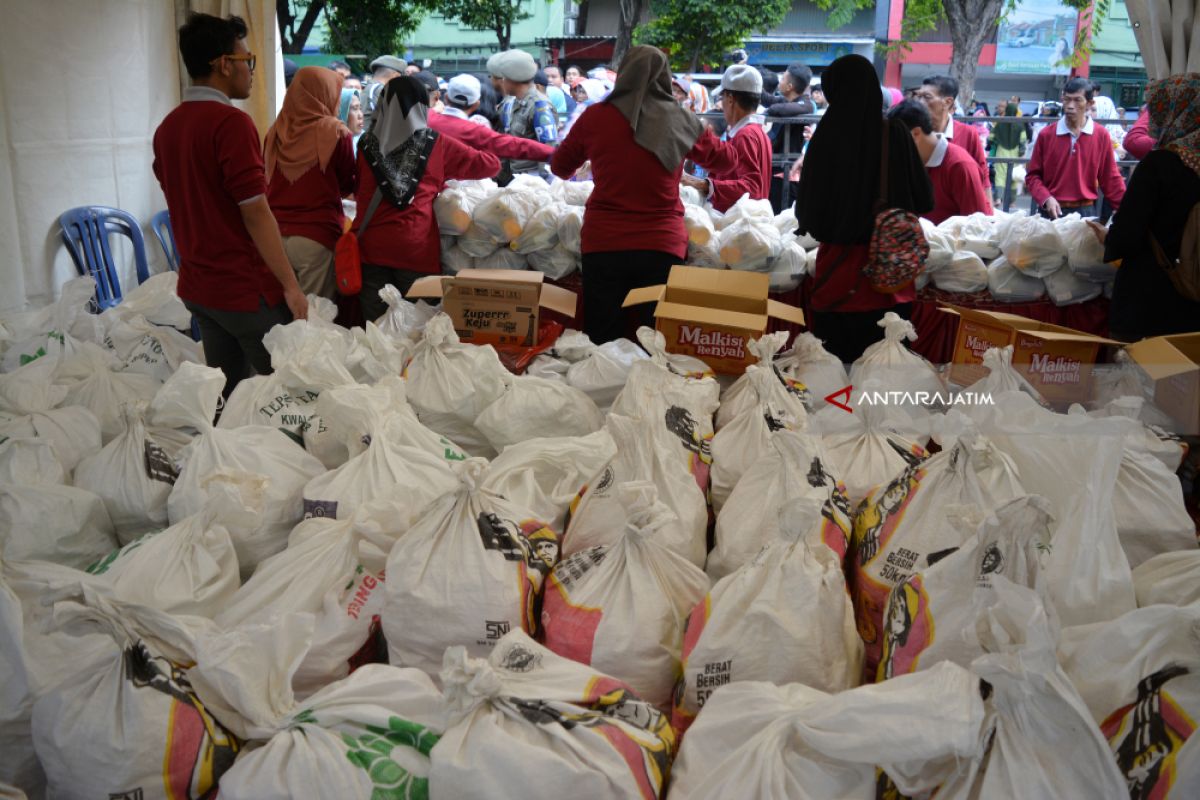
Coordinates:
<point>234,275</point>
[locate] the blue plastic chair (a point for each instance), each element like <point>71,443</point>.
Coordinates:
<point>85,231</point>
<point>160,223</point>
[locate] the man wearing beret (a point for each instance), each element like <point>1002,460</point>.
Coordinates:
<point>526,113</point>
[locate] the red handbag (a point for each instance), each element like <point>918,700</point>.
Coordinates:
<point>347,260</point>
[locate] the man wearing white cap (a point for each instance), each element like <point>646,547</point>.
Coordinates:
<point>525,113</point>
<point>462,99</point>
<point>741,90</point>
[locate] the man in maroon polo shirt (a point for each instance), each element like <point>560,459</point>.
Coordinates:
<point>234,275</point>
<point>939,94</point>
<point>957,190</point>
<point>1070,159</point>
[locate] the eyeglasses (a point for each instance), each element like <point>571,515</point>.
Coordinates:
<point>247,57</point>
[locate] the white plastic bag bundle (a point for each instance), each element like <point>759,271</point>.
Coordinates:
<point>40,518</point>
<point>253,449</point>
<point>755,739</point>
<point>133,475</point>
<point>965,274</point>
<point>450,384</point>
<point>1031,245</point>
<point>546,475</point>
<point>690,196</point>
<point>403,319</point>
<point>373,355</point>
<point>1168,578</point>
<point>793,466</point>
<point>55,329</point>
<point>941,245</point>
<point>1067,288</point>
<point>785,222</point>
<point>532,407</point>
<point>750,245</point>
<point>157,300</point>
<point>92,383</point>
<point>1002,377</point>
<point>119,723</point>
<point>456,203</point>
<point>334,571</point>
<point>978,234</point>
<point>640,460</point>
<point>502,258</point>
<point>455,259</point>
<point>895,366</point>
<point>699,225</point>
<point>466,573</point>
<point>621,607</point>
<point>549,368</point>
<point>191,567</point>
<point>541,232</point>
<point>506,213</point>
<point>603,372</point>
<point>477,242</point>
<point>28,409</point>
<point>930,616</point>
<point>572,193</point>
<point>789,267</point>
<point>904,526</point>
<point>410,476</point>
<point>1085,252</point>
<point>1039,738</point>
<point>570,229</point>
<point>354,409</point>
<point>705,255</point>
<point>579,731</point>
<point>746,209</point>
<point>1009,285</point>
<point>809,364</point>
<point>785,617</point>
<point>1140,677</point>
<point>556,262</point>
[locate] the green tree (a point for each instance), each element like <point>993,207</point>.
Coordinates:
<point>697,33</point>
<point>497,16</point>
<point>370,27</point>
<point>291,12</point>
<point>972,23</point>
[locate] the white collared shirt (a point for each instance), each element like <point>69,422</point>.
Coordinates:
<point>194,94</point>
<point>949,132</point>
<point>1062,130</point>
<point>939,152</point>
<point>451,111</point>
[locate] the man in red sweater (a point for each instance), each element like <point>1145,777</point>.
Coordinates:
<point>234,275</point>
<point>462,100</point>
<point>1072,158</point>
<point>741,90</point>
<point>939,93</point>
<point>957,190</point>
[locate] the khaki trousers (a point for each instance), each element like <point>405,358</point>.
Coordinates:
<point>313,265</point>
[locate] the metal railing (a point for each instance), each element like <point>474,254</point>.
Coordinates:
<point>789,146</point>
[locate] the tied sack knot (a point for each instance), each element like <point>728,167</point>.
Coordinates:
<point>467,681</point>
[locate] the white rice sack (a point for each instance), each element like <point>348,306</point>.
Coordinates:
<point>1067,288</point>
<point>1085,253</point>
<point>1009,285</point>
<point>1002,377</point>
<point>541,232</point>
<point>964,274</point>
<point>809,364</point>
<point>502,258</point>
<point>403,320</point>
<point>477,242</point>
<point>532,408</point>
<point>455,259</point>
<point>572,193</point>
<point>894,365</point>
<point>602,374</point>
<point>92,383</point>
<point>1168,579</point>
<point>750,244</point>
<point>699,225</point>
<point>157,300</point>
<point>1032,245</point>
<point>570,229</point>
<point>505,214</point>
<point>555,263</point>
<point>27,410</point>
<point>548,368</point>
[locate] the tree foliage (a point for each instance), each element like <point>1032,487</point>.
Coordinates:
<point>296,20</point>
<point>696,33</point>
<point>497,16</point>
<point>370,27</point>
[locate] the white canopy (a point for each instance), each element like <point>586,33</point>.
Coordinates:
<point>1168,34</point>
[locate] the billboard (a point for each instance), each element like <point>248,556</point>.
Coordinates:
<point>1035,38</point>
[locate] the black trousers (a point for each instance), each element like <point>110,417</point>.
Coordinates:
<point>848,333</point>
<point>374,278</point>
<point>608,277</point>
<point>233,340</point>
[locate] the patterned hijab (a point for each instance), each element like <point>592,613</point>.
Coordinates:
<point>1174,105</point>
<point>307,129</point>
<point>398,143</point>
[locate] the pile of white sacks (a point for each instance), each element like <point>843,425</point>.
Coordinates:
<point>393,569</point>
<point>530,224</point>
<point>1018,258</point>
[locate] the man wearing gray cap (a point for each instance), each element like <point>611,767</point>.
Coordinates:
<point>526,112</point>
<point>462,98</point>
<point>741,90</point>
<point>383,69</point>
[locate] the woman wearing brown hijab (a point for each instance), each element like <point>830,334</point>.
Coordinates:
<point>310,166</point>
<point>637,140</point>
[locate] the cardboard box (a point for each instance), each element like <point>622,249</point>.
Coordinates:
<point>1173,362</point>
<point>495,306</point>
<point>712,314</point>
<point>1057,361</point>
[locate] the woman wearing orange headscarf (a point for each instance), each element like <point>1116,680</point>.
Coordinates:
<point>310,167</point>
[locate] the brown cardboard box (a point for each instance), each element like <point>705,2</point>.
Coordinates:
<point>712,314</point>
<point>1057,361</point>
<point>495,306</point>
<point>1174,364</point>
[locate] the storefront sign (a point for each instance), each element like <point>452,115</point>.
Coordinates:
<point>815,53</point>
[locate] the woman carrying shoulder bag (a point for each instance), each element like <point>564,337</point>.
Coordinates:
<point>840,197</point>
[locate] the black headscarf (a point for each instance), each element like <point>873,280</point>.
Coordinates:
<point>398,143</point>
<point>839,185</point>
<point>1008,134</point>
